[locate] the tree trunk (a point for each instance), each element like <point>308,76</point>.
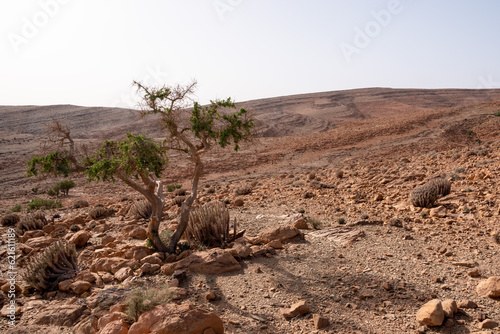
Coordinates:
<point>155,220</point>
<point>186,208</point>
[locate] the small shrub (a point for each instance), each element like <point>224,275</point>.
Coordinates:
<point>165,236</point>
<point>16,208</point>
<point>140,300</point>
<point>497,114</point>
<point>65,186</point>
<point>180,192</point>
<point>211,190</point>
<point>100,212</point>
<point>243,190</point>
<point>209,226</point>
<point>301,210</point>
<point>470,132</point>
<point>172,187</point>
<point>443,186</point>
<point>30,222</point>
<point>142,209</point>
<point>53,192</point>
<point>316,224</point>
<point>56,264</point>
<point>41,203</point>
<point>80,203</point>
<point>339,173</point>
<point>424,196</point>
<point>424,214</point>
<point>74,228</point>
<point>466,210</point>
<point>10,219</point>
<point>178,200</point>
<point>364,216</point>
<point>341,221</point>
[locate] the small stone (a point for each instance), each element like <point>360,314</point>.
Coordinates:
<point>64,285</point>
<point>449,322</point>
<point>80,287</point>
<point>488,324</point>
<point>276,244</point>
<point>148,268</point>
<point>80,238</point>
<point>387,286</point>
<point>466,304</point>
<point>431,313</point>
<point>123,273</point>
<point>138,233</point>
<point>474,273</point>
<point>210,296</point>
<point>300,223</point>
<point>238,202</point>
<point>489,288</point>
<point>439,212</point>
<point>320,321</point>
<point>6,287</point>
<point>296,309</point>
<point>449,307</point>
<point>378,197</point>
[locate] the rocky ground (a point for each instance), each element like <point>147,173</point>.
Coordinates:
<point>332,242</point>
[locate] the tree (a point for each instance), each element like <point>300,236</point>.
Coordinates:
<point>137,160</point>
<point>194,131</point>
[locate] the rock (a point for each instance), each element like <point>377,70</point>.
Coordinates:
<point>80,238</point>
<point>111,264</point>
<point>276,244</point>
<point>148,269</point>
<point>110,317</point>
<point>378,197</point>
<point>86,275</point>
<point>431,314</point>
<point>282,233</point>
<point>115,327</point>
<point>449,307</point>
<point>64,285</point>
<point>59,315</point>
<point>121,308</point>
<point>123,273</point>
<point>238,202</point>
<point>439,212</point>
<point>152,259</point>
<point>210,296</point>
<point>214,261</point>
<point>300,223</point>
<point>240,250</point>
<point>80,287</point>
<point>10,309</point>
<point>489,288</point>
<point>320,321</point>
<point>296,309</point>
<point>86,326</point>
<point>449,322</point>
<point>174,319</point>
<point>40,242</point>
<point>466,304</point>
<point>6,287</point>
<point>488,324</point>
<point>474,273</point>
<point>178,293</point>
<point>138,233</point>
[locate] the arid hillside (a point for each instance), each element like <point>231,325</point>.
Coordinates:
<point>334,241</point>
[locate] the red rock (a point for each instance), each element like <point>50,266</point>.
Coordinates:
<point>214,261</point>
<point>80,287</point>
<point>80,238</point>
<point>431,313</point>
<point>296,309</point>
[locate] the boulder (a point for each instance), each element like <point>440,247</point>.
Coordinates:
<point>214,261</point>
<point>449,307</point>
<point>296,309</point>
<point>176,319</point>
<point>123,273</point>
<point>59,315</point>
<point>300,223</point>
<point>489,288</point>
<point>320,321</point>
<point>138,233</point>
<point>431,314</point>
<point>111,264</point>
<point>281,233</point>
<point>80,287</point>
<point>80,238</point>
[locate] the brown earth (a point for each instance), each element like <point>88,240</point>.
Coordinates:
<point>385,141</point>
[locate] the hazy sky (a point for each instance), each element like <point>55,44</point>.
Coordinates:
<point>87,52</point>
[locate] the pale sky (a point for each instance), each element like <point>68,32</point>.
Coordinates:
<point>88,52</point>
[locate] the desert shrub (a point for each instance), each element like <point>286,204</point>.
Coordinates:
<point>56,264</point>
<point>339,174</point>
<point>364,216</point>
<point>10,219</point>
<point>142,209</point>
<point>100,212</point>
<point>80,203</point>
<point>178,200</point>
<point>74,228</point>
<point>53,192</point>
<point>497,114</point>
<point>424,196</point>
<point>209,226</point>
<point>341,221</point>
<point>172,187</point>
<point>32,221</point>
<point>245,190</point>
<point>211,190</point>
<point>443,186</point>
<point>16,208</point>
<point>316,224</point>
<point>65,186</point>
<point>41,203</point>
<point>180,192</point>
<point>140,300</point>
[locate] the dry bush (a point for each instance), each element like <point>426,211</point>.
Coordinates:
<point>443,186</point>
<point>209,226</point>
<point>142,209</point>
<point>80,203</point>
<point>34,221</point>
<point>56,264</point>
<point>100,212</point>
<point>339,173</point>
<point>10,219</point>
<point>424,196</point>
<point>140,300</point>
<point>178,200</point>
<point>245,190</point>
<point>180,192</point>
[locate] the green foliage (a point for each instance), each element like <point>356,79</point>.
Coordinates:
<point>57,163</point>
<point>140,300</point>
<point>172,187</point>
<point>470,132</point>
<point>41,203</point>
<point>65,186</point>
<point>497,114</point>
<point>130,157</point>
<point>341,220</point>
<point>16,208</point>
